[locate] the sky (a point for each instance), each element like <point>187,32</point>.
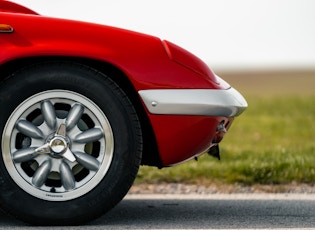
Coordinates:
<point>226,34</point>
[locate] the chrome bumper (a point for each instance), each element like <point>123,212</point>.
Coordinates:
<point>206,102</point>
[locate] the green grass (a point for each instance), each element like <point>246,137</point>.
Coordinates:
<point>273,142</point>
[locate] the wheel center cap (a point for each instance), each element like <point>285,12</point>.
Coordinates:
<point>58,145</point>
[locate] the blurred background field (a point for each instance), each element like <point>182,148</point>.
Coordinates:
<point>272,143</point>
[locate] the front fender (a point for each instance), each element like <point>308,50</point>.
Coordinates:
<point>141,57</point>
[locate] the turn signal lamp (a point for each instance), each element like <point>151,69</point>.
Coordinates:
<point>5,28</point>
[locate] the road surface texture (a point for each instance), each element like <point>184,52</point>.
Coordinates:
<point>211,211</point>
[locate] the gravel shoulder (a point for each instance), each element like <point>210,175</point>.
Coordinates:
<point>178,188</point>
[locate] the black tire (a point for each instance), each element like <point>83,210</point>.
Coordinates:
<point>45,175</point>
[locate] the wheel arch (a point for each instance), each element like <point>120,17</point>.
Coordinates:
<point>150,150</point>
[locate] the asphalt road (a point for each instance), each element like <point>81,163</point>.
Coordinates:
<point>246,211</point>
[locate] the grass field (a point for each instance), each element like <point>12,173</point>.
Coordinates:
<point>273,142</point>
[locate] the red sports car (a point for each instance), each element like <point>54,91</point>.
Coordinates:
<point>84,105</point>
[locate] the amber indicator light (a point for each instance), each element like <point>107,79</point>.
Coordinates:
<point>4,28</point>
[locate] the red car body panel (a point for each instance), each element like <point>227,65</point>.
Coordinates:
<point>148,62</point>
<point>191,132</point>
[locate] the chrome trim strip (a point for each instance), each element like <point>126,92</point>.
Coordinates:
<point>206,102</point>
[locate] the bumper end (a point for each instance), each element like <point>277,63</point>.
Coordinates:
<point>204,102</point>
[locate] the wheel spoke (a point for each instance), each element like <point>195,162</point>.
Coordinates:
<point>87,161</point>
<point>90,135</point>
<point>66,175</point>
<point>74,116</point>
<point>42,173</point>
<point>49,114</point>
<point>29,129</point>
<point>23,155</point>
